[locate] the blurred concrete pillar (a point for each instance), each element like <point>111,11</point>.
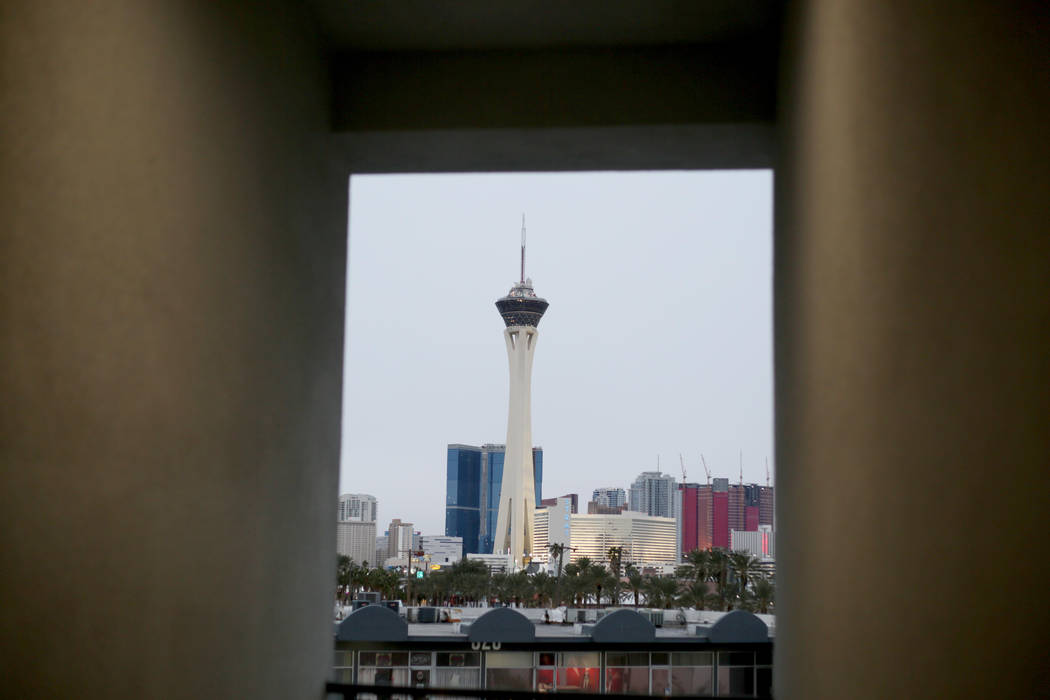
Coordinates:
<point>912,331</point>
<point>172,275</point>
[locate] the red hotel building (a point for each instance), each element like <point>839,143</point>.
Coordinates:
<point>710,511</point>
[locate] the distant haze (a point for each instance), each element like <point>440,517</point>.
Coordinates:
<point>658,339</point>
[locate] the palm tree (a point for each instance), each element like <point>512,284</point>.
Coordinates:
<point>660,591</point>
<point>685,573</point>
<point>602,581</point>
<point>718,567</point>
<point>474,589</point>
<point>426,590</point>
<point>557,550</point>
<point>699,560</point>
<point>344,568</point>
<point>615,560</point>
<point>501,588</point>
<point>545,586</point>
<point>612,585</point>
<point>574,581</point>
<point>584,571</point>
<point>697,595</point>
<point>386,582</point>
<point>359,577</point>
<point>519,586</point>
<point>763,593</point>
<point>729,596</point>
<point>468,580</point>
<point>431,588</point>
<point>635,581</point>
<point>744,565</point>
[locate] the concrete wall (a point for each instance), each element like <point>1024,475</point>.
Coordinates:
<point>172,276</point>
<point>912,328</point>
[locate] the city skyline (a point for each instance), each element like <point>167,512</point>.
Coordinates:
<point>620,380</point>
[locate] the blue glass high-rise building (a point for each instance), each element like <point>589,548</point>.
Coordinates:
<point>463,495</point>
<point>474,479</point>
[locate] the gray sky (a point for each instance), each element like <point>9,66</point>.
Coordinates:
<point>658,339</point>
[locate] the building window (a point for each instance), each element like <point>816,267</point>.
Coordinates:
<point>579,671</point>
<point>736,673</point>
<point>764,673</point>
<point>661,674</point>
<point>383,668</point>
<point>546,670</point>
<point>458,670</point>
<point>343,666</point>
<point>627,673</point>
<point>508,670</point>
<point>691,673</point>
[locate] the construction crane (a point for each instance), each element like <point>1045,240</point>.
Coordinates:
<point>682,461</point>
<point>767,471</point>
<point>706,470</point>
<point>741,467</point>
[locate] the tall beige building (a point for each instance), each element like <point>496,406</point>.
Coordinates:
<point>646,539</point>
<point>358,506</point>
<point>400,539</point>
<point>357,540</point>
<point>551,524</point>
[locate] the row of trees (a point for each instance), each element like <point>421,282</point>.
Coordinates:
<point>352,577</point>
<point>711,579</point>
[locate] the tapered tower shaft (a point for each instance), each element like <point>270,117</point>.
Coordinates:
<point>521,310</point>
<point>517,493</point>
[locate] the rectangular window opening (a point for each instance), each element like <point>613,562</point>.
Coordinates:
<point>651,372</point>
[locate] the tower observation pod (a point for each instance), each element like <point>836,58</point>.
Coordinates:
<point>521,310</point>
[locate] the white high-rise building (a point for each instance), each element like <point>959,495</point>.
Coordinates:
<point>610,496</point>
<point>357,540</point>
<point>653,493</point>
<point>521,310</point>
<point>357,506</point>
<point>551,525</point>
<point>645,539</point>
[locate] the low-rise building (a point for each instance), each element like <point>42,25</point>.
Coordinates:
<point>760,543</point>
<point>441,550</point>
<point>497,563</point>
<point>614,652</point>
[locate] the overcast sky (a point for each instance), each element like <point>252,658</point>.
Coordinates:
<point>657,341</point>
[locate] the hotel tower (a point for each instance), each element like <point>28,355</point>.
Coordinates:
<point>521,310</point>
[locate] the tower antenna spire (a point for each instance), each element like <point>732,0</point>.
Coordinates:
<point>523,247</point>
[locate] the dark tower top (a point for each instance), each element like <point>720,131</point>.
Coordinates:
<point>521,306</point>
